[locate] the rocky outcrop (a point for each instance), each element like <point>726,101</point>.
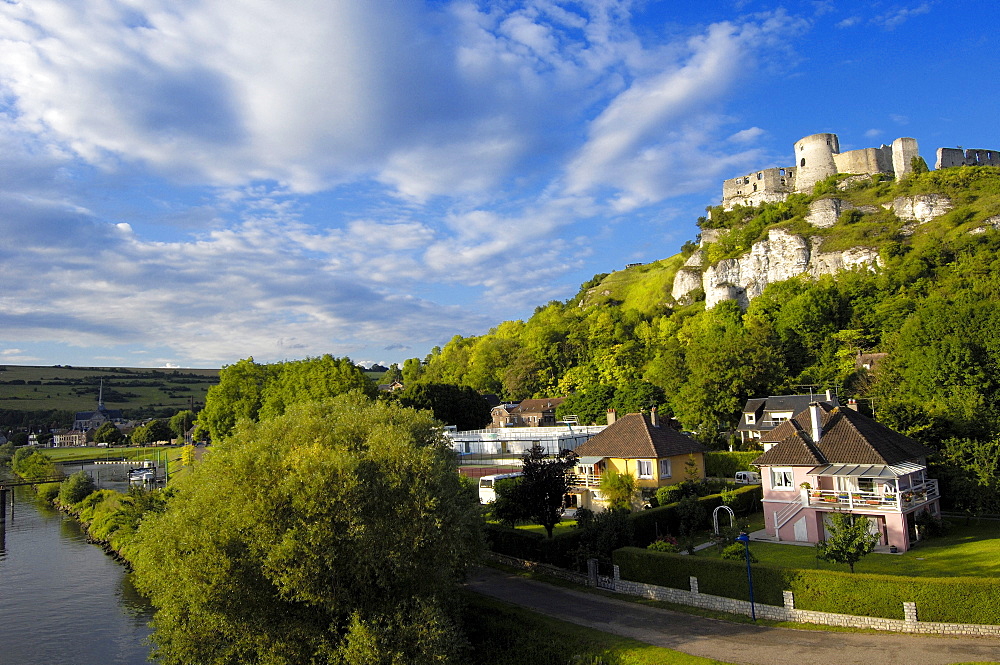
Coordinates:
<point>989,224</point>
<point>782,256</point>
<point>824,213</point>
<point>920,208</point>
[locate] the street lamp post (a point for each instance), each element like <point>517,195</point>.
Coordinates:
<point>745,539</point>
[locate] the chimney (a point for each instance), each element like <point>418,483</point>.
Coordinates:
<point>817,429</point>
<point>654,418</point>
<point>829,395</point>
<point>612,416</point>
<point>852,404</point>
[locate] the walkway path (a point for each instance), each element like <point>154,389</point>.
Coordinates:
<point>725,641</point>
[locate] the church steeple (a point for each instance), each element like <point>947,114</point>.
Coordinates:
<point>100,397</point>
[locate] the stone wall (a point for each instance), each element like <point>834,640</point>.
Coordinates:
<point>951,157</point>
<point>910,622</point>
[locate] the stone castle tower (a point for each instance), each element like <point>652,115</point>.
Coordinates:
<point>818,157</point>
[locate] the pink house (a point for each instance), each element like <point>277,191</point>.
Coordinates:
<point>831,458</point>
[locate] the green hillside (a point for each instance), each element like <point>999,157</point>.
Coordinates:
<point>137,392</point>
<point>933,309</point>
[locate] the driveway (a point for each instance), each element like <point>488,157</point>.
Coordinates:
<point>725,641</point>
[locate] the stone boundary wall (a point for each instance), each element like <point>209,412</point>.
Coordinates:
<point>909,624</point>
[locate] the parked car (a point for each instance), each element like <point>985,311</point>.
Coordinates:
<point>747,478</point>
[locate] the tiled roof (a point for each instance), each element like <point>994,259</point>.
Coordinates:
<point>539,405</point>
<point>847,437</point>
<point>634,437</point>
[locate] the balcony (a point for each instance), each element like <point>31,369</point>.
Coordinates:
<point>584,479</point>
<point>904,501</point>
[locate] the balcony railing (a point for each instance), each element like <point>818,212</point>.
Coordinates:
<point>584,479</point>
<point>867,501</point>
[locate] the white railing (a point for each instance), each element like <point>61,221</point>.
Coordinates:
<point>584,480</point>
<point>905,499</point>
<point>784,516</point>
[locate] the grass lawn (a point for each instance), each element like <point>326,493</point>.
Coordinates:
<point>502,634</point>
<point>559,528</point>
<point>59,455</point>
<point>968,550</point>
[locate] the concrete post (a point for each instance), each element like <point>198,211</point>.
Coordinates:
<point>694,584</point>
<point>592,572</point>
<point>789,599</point>
<point>909,612</point>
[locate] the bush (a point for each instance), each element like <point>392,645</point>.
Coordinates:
<point>665,544</point>
<point>48,491</point>
<point>76,488</point>
<point>737,552</point>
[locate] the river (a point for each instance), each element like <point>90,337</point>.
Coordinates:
<point>63,601</point>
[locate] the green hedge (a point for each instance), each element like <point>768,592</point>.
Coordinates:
<point>946,599</point>
<point>534,546</point>
<point>648,525</point>
<point>724,464</point>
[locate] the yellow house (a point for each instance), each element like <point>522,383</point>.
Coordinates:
<point>655,454</point>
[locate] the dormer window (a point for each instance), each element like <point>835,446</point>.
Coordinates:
<point>751,419</point>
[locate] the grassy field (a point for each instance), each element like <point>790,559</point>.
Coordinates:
<point>968,550</point>
<point>501,634</point>
<point>62,455</point>
<point>32,388</point>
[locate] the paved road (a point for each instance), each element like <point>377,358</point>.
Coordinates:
<point>730,642</point>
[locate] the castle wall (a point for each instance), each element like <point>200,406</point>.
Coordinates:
<point>866,160</point>
<point>814,160</point>
<point>764,186</point>
<point>951,157</point>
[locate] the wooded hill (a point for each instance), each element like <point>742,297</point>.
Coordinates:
<point>933,306</point>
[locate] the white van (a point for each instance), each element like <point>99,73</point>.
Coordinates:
<point>487,485</point>
<point>747,478</point>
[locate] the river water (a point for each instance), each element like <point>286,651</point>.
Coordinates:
<point>63,601</point>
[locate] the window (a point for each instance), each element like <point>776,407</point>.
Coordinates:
<point>803,162</point>
<point>781,479</point>
<point>645,468</point>
<point>665,468</point>
<point>750,419</point>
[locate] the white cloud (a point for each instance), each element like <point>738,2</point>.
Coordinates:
<point>899,15</point>
<point>873,133</point>
<point>481,139</point>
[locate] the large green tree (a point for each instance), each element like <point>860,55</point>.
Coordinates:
<point>453,405</point>
<point>334,533</point>
<point>544,484</point>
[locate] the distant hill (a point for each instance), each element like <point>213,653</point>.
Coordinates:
<point>779,298</point>
<point>138,392</point>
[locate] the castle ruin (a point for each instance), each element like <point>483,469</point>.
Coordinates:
<point>818,157</point>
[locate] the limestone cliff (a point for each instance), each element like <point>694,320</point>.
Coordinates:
<point>784,255</point>
<point>781,256</point>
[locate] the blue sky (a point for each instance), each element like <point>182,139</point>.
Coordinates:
<point>191,182</point>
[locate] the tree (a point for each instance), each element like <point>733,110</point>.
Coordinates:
<point>334,533</point>
<point>393,374</point>
<point>508,508</point>
<point>108,433</point>
<point>76,488</point>
<point>32,464</point>
<point>181,422</point>
<point>544,485</point>
<point>453,405</point>
<point>151,433</point>
<point>848,541</point>
<point>619,489</point>
<point>238,395</point>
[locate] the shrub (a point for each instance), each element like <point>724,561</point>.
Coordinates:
<point>664,544</point>
<point>76,488</point>
<point>737,552</point>
<point>48,491</point>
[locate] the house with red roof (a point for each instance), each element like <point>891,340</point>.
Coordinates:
<point>829,459</point>
<point>639,444</point>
